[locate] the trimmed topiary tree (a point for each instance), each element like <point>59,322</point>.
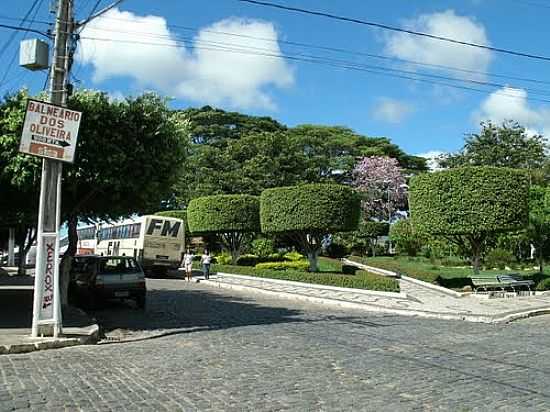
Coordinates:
<point>307,213</point>
<point>371,231</point>
<point>232,217</point>
<point>466,205</point>
<point>405,237</point>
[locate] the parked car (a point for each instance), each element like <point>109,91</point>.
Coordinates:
<point>96,278</point>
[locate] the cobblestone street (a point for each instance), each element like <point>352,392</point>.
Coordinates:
<point>225,350</point>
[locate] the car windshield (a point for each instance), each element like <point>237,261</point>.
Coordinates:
<point>118,265</point>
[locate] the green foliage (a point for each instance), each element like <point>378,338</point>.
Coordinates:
<point>349,269</point>
<point>371,229</point>
<point>235,153</point>
<point>405,237</point>
<point>313,208</point>
<point>224,259</point>
<point>293,256</point>
<point>298,265</point>
<point>469,200</point>
<point>538,231</point>
<point>499,258</point>
<point>224,213</point>
<point>263,247</point>
<point>361,280</point>
<point>507,145</point>
<point>544,284</point>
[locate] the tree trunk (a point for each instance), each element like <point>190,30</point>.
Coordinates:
<point>22,257</point>
<point>67,259</point>
<point>312,258</point>
<point>373,247</point>
<point>235,253</point>
<point>541,259</point>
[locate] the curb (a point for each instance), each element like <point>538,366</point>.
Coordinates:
<point>389,273</point>
<point>474,318</point>
<point>369,307</point>
<point>90,338</point>
<point>396,295</point>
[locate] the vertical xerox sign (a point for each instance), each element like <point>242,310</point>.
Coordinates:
<point>47,289</point>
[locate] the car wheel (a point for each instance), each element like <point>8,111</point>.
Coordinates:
<point>140,302</point>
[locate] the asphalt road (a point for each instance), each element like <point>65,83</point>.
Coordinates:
<point>230,351</point>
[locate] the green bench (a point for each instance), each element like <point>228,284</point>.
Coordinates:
<point>502,282</point>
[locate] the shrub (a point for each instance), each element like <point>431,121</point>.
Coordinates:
<point>349,269</point>
<point>336,250</point>
<point>499,258</point>
<point>308,213</point>
<point>362,279</point>
<point>293,256</point>
<point>247,260</point>
<point>470,203</point>
<point>231,217</point>
<point>544,284</point>
<point>297,264</point>
<point>405,238</point>
<point>223,259</point>
<point>262,247</point>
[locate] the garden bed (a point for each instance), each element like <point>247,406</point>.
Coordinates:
<point>449,277</point>
<point>361,279</point>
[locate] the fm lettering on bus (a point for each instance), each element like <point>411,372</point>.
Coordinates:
<point>168,229</point>
<point>165,227</point>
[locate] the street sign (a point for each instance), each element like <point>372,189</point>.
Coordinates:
<point>50,131</point>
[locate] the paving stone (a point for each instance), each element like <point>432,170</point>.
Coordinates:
<point>274,354</point>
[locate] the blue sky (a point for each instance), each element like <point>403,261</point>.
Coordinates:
<point>117,55</point>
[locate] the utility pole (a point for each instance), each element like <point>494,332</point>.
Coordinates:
<point>49,215</point>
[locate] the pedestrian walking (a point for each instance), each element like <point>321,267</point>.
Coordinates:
<point>187,263</point>
<point>206,259</point>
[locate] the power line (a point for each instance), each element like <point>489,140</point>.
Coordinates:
<point>395,29</point>
<point>327,62</point>
<point>240,47</point>
<point>325,48</point>
<point>7,26</point>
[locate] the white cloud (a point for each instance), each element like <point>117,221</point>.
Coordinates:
<point>198,71</point>
<point>391,110</point>
<point>431,51</point>
<point>433,158</point>
<point>512,104</point>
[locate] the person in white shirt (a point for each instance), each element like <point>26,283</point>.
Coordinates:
<point>206,259</point>
<point>187,264</point>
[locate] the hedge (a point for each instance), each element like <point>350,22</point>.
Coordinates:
<point>371,229</point>
<point>326,208</point>
<point>224,213</point>
<point>469,200</point>
<point>298,265</point>
<point>361,280</point>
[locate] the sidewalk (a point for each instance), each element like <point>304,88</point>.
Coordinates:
<point>16,300</point>
<point>416,299</point>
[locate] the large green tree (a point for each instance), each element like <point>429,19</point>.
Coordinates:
<point>504,145</point>
<point>19,177</point>
<point>467,205</point>
<point>235,153</point>
<point>538,230</point>
<point>307,213</point>
<point>127,158</point>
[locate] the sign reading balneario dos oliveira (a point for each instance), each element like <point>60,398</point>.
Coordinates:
<point>50,131</point>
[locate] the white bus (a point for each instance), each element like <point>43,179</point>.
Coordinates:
<point>156,241</point>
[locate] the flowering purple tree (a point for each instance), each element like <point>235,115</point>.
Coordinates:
<point>382,184</point>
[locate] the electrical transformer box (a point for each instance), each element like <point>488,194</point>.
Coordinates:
<point>34,54</point>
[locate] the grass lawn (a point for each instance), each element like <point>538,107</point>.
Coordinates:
<point>422,269</point>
